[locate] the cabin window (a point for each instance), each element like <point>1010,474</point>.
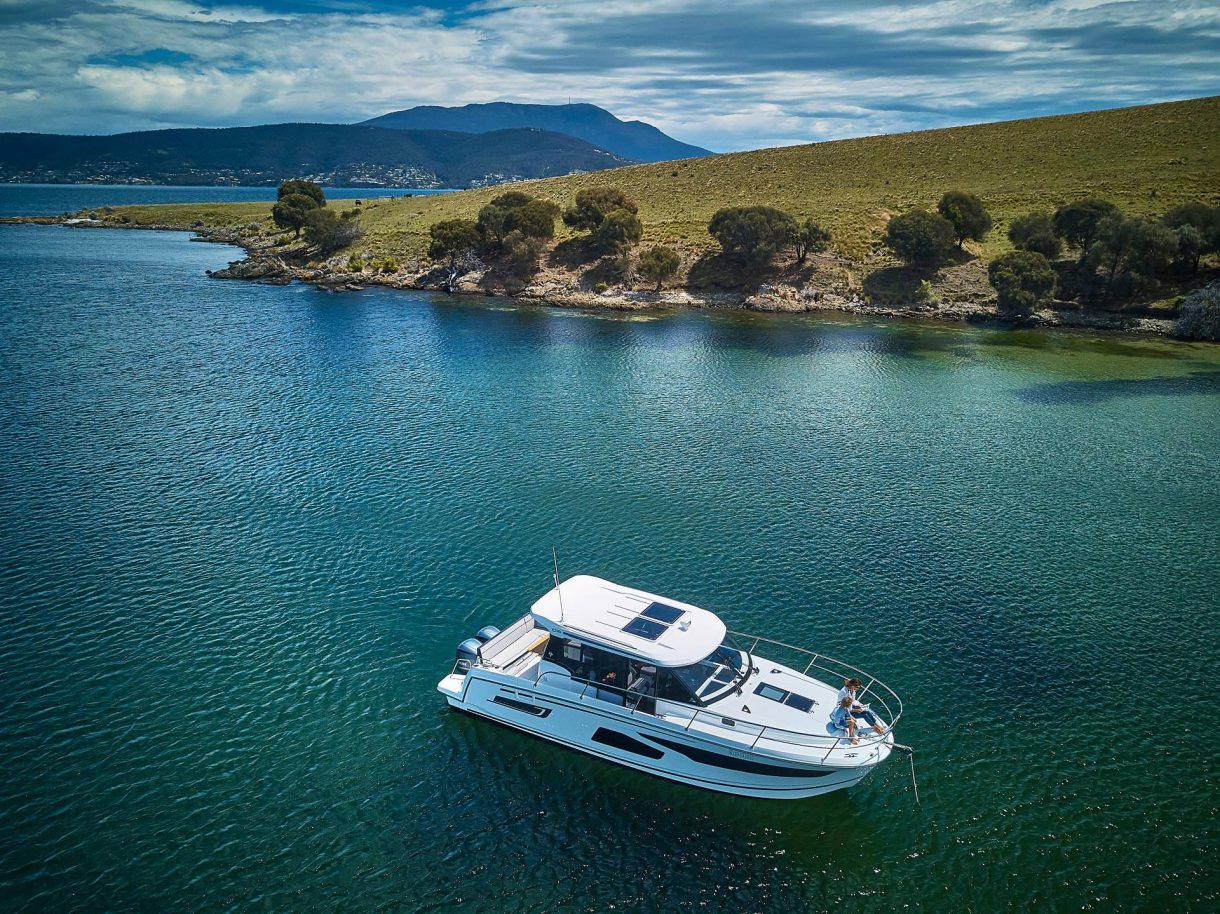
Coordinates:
<point>670,688</point>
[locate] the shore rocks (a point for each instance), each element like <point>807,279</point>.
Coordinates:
<point>269,269</point>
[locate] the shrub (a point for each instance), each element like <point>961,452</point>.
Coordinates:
<point>594,205</point>
<point>290,210</point>
<point>601,287</point>
<point>299,186</point>
<point>451,238</point>
<point>923,291</point>
<point>966,212</point>
<point>1078,223</point>
<point>659,263</point>
<point>1035,232</point>
<point>809,238</point>
<point>329,231</point>
<point>752,235</point>
<point>920,238</point>
<point>1199,314</point>
<point>617,232</point>
<point>1022,280</point>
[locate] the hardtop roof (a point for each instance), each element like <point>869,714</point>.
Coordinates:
<point>597,611</point>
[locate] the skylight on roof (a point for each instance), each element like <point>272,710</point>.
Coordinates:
<point>645,628</point>
<point>663,612</point>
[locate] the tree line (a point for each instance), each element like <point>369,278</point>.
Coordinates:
<point>1117,256</point>
<point>513,227</point>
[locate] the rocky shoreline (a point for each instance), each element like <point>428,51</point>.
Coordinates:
<point>263,264</point>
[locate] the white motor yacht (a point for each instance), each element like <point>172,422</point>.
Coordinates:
<point>661,686</point>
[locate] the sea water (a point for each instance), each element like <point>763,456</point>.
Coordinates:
<point>243,527</point>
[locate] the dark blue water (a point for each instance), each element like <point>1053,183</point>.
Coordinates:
<point>242,528</point>
<point>56,199</point>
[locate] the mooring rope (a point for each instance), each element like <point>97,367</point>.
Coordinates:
<point>910,751</point>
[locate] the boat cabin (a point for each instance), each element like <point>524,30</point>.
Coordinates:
<point>636,647</point>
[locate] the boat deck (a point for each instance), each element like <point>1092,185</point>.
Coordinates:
<point>779,707</point>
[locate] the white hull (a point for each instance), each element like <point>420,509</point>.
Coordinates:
<point>665,744</point>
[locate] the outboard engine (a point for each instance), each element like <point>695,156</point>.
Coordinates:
<point>486,633</point>
<point>467,654</point>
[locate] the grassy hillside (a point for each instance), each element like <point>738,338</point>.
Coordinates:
<point>1145,159</point>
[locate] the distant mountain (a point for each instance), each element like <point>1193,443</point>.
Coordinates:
<point>631,139</point>
<point>335,154</point>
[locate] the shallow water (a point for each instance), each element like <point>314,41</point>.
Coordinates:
<point>243,528</point>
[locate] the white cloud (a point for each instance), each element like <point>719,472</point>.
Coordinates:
<point>727,75</point>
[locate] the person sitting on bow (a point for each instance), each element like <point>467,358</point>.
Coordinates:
<point>858,710</point>
<point>841,719</point>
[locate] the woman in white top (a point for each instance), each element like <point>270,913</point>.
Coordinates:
<point>859,711</point>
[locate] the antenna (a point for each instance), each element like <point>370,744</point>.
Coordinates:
<point>558,589</point>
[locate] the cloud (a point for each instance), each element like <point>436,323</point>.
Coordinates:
<point>727,75</point>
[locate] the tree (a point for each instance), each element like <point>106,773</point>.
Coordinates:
<point>810,238</point>
<point>1198,229</point>
<point>1199,314</point>
<point>1078,223</point>
<point>969,217</point>
<point>617,232</point>
<point>289,211</point>
<point>1035,232</point>
<point>659,263</point>
<point>304,188</point>
<point>920,238</point>
<point>451,238</point>
<point>595,204</point>
<point>1022,280</point>
<point>1128,255</point>
<point>493,225</point>
<point>1203,217</point>
<point>1191,245</point>
<point>521,254</point>
<point>329,231</point>
<point>511,199</point>
<point>534,219</point>
<point>752,235</point>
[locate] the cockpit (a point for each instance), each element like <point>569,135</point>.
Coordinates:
<point>625,681</point>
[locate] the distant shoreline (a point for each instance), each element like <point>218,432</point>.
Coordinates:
<point>261,264</point>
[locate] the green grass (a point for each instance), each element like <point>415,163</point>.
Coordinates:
<point>1144,159</point>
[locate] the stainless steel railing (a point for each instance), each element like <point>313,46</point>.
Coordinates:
<point>837,669</point>
<point>882,693</point>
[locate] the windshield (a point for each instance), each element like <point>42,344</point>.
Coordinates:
<point>721,672</point>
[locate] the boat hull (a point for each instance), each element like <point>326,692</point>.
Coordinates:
<point>646,743</point>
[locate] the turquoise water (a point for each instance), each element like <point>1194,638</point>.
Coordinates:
<point>243,528</point>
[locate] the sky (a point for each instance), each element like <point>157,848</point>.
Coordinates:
<point>723,74</point>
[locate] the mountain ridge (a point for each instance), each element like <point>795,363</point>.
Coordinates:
<point>633,139</point>
<point>335,154</point>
